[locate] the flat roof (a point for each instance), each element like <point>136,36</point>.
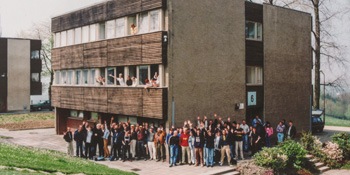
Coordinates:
<point>13,38</point>
<point>81,8</point>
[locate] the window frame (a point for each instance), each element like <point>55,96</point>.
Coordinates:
<point>258,74</point>
<point>256,32</point>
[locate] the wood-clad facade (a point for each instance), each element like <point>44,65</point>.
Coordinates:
<point>130,50</point>
<point>103,12</point>
<point>147,103</point>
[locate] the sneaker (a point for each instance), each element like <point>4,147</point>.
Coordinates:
<point>157,160</point>
<point>171,165</point>
<point>220,164</point>
<point>230,165</point>
<point>175,164</point>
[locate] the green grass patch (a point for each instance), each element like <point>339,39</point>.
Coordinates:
<point>17,118</point>
<point>50,161</point>
<point>347,166</point>
<point>331,121</point>
<point>15,172</point>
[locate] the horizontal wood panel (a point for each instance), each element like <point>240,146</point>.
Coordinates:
<point>95,99</point>
<point>55,59</point>
<point>95,54</point>
<point>72,98</point>
<point>103,12</point>
<point>72,57</point>
<point>124,51</point>
<point>132,50</point>
<point>150,103</point>
<point>254,12</point>
<point>125,101</point>
<point>55,96</point>
<point>254,53</point>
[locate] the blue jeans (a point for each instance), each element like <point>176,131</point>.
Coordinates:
<point>280,137</point>
<point>174,150</point>
<point>210,156</point>
<point>79,148</point>
<point>245,142</point>
<point>205,154</point>
<point>232,149</point>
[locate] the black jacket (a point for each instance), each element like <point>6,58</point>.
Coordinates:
<point>293,131</point>
<point>79,136</point>
<point>68,137</point>
<point>210,141</point>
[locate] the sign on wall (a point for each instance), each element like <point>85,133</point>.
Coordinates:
<point>251,98</point>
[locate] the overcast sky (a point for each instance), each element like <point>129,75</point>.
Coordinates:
<point>19,15</point>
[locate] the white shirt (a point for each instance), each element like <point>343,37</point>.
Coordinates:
<point>245,128</point>
<point>121,81</point>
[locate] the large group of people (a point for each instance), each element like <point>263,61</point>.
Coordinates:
<point>202,143</point>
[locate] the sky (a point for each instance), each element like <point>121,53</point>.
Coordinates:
<point>19,15</point>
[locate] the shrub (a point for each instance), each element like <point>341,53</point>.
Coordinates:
<point>343,140</point>
<point>333,155</point>
<point>295,153</point>
<point>271,158</point>
<point>307,141</point>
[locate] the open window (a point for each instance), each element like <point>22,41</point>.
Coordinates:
<point>110,76</point>
<point>35,77</point>
<point>143,74</point>
<point>132,25</point>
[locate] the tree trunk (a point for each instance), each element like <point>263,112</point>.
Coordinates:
<point>51,81</point>
<point>317,51</point>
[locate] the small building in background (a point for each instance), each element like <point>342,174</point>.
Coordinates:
<point>20,69</point>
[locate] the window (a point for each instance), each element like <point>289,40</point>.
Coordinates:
<point>69,77</point>
<point>110,76</point>
<point>154,70</point>
<point>70,37</point>
<point>154,23</point>
<point>77,35</point>
<point>58,39</point>
<point>110,32</point>
<point>253,30</point>
<point>63,38</point>
<point>254,75</point>
<point>132,25</point>
<point>35,77</point>
<point>143,22</point>
<point>92,77</point>
<point>120,70</point>
<point>120,27</point>
<point>85,34</point>
<point>77,77</point>
<point>57,77</point>
<point>35,54</point>
<point>63,77</point>
<point>143,74</point>
<point>85,77</point>
<point>132,71</point>
<point>102,31</point>
<point>74,113</point>
<point>92,33</point>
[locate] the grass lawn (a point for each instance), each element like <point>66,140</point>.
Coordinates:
<point>10,171</point>
<point>331,121</point>
<point>16,118</point>
<point>27,121</point>
<point>50,161</point>
<point>347,165</point>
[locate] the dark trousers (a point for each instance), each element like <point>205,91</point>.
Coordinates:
<point>217,154</point>
<point>116,150</point>
<point>88,150</point>
<point>79,148</point>
<point>100,148</point>
<point>141,152</point>
<point>126,152</point>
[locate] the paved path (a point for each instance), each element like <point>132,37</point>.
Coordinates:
<point>46,138</point>
<point>329,131</point>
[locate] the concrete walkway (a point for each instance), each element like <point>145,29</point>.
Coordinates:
<point>46,139</point>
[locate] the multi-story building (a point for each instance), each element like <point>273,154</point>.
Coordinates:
<point>20,69</point>
<point>229,57</point>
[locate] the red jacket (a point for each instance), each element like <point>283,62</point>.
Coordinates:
<point>184,139</point>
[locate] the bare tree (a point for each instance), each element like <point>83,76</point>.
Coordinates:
<point>42,31</point>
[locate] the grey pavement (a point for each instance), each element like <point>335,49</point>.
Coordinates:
<point>47,139</point>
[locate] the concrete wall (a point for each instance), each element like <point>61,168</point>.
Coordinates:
<point>18,74</point>
<point>206,58</point>
<point>287,66</point>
